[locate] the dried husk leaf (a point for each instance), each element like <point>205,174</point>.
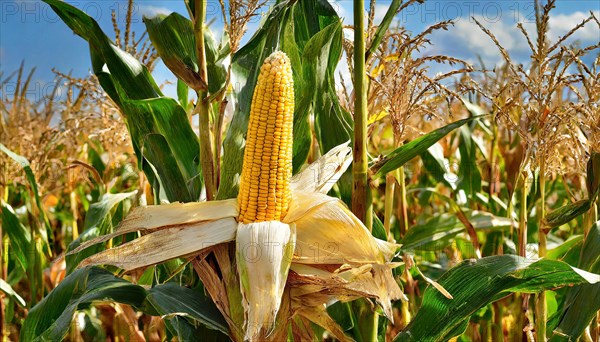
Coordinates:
<point>315,285</point>
<point>165,244</point>
<point>321,175</point>
<point>149,218</point>
<point>318,315</point>
<point>330,234</point>
<point>302,202</point>
<point>174,214</point>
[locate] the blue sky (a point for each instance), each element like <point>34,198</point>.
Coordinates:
<point>31,32</point>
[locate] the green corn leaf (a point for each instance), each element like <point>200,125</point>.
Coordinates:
<point>404,153</point>
<point>383,27</point>
<point>434,161</point>
<point>378,228</point>
<point>51,318</point>
<point>170,149</point>
<point>469,175</point>
<point>146,111</point>
<point>183,95</point>
<point>437,232</point>
<point>476,283</point>
<point>558,252</point>
<point>8,290</point>
<point>566,213</point>
<point>580,304</point>
<point>173,38</point>
<point>24,163</point>
<point>19,236</point>
<point>593,175</point>
<point>192,305</point>
<point>342,314</point>
<point>325,50</point>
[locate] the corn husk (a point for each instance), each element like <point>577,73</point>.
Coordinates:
<point>165,244</point>
<point>264,254</point>
<point>328,233</point>
<point>321,175</point>
<point>149,218</point>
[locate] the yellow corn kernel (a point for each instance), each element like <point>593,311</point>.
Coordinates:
<point>264,186</point>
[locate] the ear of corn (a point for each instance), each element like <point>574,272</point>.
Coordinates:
<point>264,187</point>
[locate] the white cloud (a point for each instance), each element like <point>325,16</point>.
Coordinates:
<point>560,24</point>
<point>151,11</point>
<point>380,10</point>
<point>466,40</point>
<point>343,9</point>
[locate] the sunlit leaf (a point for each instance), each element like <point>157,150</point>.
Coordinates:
<point>98,221</point>
<point>8,290</point>
<point>476,283</point>
<point>404,153</point>
<point>580,304</point>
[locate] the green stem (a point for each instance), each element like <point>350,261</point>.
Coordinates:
<point>390,186</point>
<point>202,104</point>
<point>362,205</point>
<point>494,182</point>
<point>520,300</point>
<point>403,219</point>
<point>360,165</point>
<point>486,331</point>
<point>592,217</point>
<point>498,332</point>
<point>403,202</point>
<point>367,321</point>
<point>523,218</point>
<point>541,306</point>
<point>517,333</point>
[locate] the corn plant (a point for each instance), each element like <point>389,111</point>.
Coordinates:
<point>265,225</point>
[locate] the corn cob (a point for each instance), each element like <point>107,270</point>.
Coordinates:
<point>264,186</point>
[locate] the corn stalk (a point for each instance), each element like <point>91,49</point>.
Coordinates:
<point>203,104</point>
<point>541,307</point>
<point>361,204</point>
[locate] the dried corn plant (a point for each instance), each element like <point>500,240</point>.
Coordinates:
<point>402,84</point>
<point>141,48</point>
<point>547,126</point>
<point>588,105</point>
<point>240,14</point>
<point>74,115</point>
<point>535,102</point>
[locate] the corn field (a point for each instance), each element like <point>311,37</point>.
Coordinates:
<point>276,198</point>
